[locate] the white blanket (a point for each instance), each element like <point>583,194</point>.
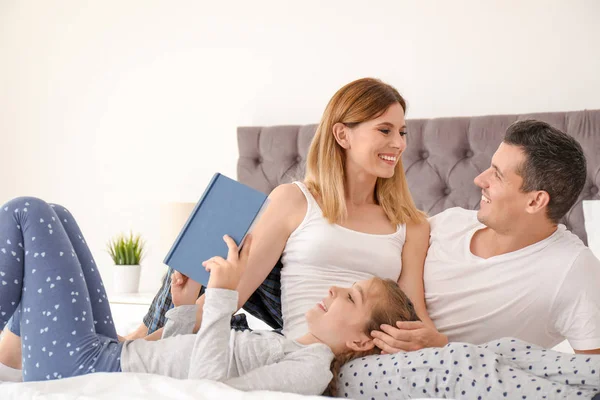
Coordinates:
<point>131,386</point>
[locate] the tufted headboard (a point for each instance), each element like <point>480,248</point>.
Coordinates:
<point>442,158</point>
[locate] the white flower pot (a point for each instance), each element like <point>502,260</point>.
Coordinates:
<point>126,278</point>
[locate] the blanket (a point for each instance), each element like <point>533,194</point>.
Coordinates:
<point>132,386</point>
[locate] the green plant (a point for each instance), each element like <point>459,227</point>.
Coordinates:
<point>126,250</point>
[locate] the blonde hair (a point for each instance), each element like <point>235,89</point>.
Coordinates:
<point>359,101</point>
<point>393,305</point>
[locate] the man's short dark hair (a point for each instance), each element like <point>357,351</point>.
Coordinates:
<point>554,162</point>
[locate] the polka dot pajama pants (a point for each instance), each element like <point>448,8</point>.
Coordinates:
<point>52,292</point>
<point>503,369</point>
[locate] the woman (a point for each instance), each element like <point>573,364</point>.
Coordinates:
<point>353,216</point>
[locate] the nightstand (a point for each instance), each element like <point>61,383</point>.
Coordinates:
<point>129,309</point>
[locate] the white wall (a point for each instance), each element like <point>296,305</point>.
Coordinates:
<point>112,107</point>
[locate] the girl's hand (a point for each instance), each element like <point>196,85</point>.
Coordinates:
<point>184,291</point>
<point>226,274</point>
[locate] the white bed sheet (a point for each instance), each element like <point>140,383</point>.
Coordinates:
<point>115,386</point>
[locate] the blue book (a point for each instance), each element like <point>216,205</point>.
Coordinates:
<point>227,207</point>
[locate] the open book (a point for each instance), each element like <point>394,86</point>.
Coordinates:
<point>227,207</point>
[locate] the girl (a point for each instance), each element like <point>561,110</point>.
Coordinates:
<point>67,327</point>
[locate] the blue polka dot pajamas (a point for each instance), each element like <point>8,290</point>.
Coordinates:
<point>506,368</point>
<point>51,293</point>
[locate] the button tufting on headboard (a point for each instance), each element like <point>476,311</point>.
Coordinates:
<point>443,157</point>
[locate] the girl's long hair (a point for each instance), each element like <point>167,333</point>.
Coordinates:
<point>358,101</point>
<point>393,305</point>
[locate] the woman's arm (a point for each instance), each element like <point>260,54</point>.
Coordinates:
<point>283,215</point>
<point>413,261</point>
<point>410,336</point>
<point>286,210</point>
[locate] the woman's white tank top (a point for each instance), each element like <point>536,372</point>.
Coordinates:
<point>319,254</point>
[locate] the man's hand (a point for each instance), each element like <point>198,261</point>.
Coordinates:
<point>184,291</point>
<point>407,336</point>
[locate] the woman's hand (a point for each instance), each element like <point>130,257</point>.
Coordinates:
<point>226,274</point>
<point>184,291</point>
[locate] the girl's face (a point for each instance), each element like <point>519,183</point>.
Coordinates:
<point>341,318</point>
<point>374,147</point>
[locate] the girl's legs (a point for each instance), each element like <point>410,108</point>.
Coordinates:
<point>11,355</point>
<point>47,269</point>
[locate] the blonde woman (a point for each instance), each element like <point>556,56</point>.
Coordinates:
<point>351,219</point>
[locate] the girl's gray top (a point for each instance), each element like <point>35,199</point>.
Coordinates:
<point>248,360</point>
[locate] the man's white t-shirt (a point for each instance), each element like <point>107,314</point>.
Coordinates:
<point>542,293</point>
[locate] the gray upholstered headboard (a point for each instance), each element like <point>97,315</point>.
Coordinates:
<point>443,157</point>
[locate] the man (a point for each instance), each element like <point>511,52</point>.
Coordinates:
<point>508,269</point>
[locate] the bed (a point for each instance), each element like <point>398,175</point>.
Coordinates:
<point>442,158</point>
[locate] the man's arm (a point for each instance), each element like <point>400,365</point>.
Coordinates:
<point>576,308</point>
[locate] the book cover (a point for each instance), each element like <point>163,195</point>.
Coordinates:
<point>227,207</point>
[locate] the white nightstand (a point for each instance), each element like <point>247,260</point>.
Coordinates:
<point>129,309</point>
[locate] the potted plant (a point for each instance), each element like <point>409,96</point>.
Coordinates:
<point>127,252</point>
